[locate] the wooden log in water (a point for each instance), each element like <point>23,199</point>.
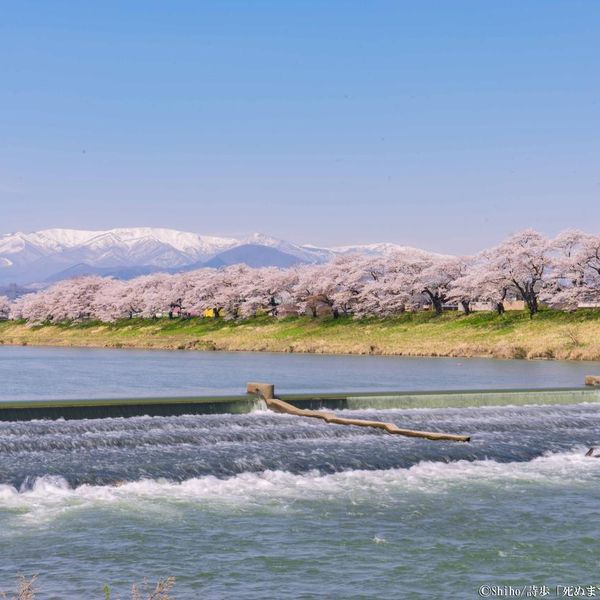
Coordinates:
<point>283,407</point>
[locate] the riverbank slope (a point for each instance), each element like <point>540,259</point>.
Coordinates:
<point>550,334</point>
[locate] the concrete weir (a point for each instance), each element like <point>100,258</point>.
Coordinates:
<point>26,410</point>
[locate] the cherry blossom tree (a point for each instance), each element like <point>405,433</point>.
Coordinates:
<point>436,279</point>
<point>68,300</point>
<point>480,284</point>
<point>564,273</point>
<point>218,290</point>
<point>464,286</point>
<point>387,286</point>
<point>4,307</point>
<point>313,288</point>
<point>231,287</point>
<point>156,293</point>
<point>576,270</point>
<point>522,263</point>
<point>110,303</point>
<point>352,275</point>
<point>264,290</point>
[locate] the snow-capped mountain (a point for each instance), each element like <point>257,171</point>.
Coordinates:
<point>379,249</point>
<point>309,254</point>
<point>53,254</point>
<point>115,246</point>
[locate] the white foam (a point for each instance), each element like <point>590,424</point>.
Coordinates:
<point>379,540</point>
<point>279,490</point>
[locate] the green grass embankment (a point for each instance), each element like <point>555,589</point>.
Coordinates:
<point>549,334</point>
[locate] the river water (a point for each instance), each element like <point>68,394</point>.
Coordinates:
<point>273,506</point>
<point>36,373</point>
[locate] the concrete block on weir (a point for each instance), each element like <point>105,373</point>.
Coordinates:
<point>266,389</point>
<point>593,380</point>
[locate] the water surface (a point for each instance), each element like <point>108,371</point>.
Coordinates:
<point>273,506</point>
<point>36,373</point>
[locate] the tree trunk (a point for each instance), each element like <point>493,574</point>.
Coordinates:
<point>436,301</point>
<point>281,406</point>
<point>500,308</point>
<point>529,296</point>
<point>466,306</point>
<point>532,304</point>
<point>437,304</point>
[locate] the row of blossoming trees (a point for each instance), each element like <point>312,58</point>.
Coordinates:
<point>563,273</point>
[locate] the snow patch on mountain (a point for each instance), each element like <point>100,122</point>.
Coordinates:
<point>382,248</point>
<point>27,258</point>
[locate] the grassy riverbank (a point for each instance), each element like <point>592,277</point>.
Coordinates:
<point>514,335</point>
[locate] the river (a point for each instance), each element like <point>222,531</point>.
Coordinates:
<point>37,373</point>
<point>273,506</point>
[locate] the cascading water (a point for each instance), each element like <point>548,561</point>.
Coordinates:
<point>107,451</point>
<point>275,506</point>
<point>279,506</point>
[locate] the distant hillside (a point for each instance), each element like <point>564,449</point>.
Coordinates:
<point>254,256</point>
<point>249,254</point>
<point>83,269</point>
<point>13,291</point>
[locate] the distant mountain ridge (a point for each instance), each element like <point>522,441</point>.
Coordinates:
<point>53,254</point>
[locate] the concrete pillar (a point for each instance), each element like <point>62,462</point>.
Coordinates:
<point>266,389</point>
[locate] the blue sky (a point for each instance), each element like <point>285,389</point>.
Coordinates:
<point>445,125</point>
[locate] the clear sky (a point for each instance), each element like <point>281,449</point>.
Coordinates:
<point>445,124</point>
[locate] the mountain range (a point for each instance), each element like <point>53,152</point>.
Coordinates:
<point>43,257</point>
